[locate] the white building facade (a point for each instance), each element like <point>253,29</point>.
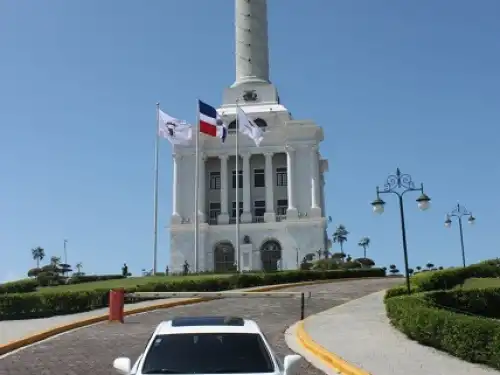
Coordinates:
<point>281,183</point>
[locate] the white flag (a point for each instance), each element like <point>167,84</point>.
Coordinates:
<point>178,132</point>
<point>248,127</point>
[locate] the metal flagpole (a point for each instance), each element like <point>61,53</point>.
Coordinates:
<point>196,189</point>
<point>155,225</point>
<point>238,256</point>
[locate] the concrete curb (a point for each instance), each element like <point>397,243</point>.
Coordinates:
<point>29,340</point>
<point>332,360</point>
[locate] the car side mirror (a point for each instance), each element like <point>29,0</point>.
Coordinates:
<point>122,365</point>
<point>291,363</point>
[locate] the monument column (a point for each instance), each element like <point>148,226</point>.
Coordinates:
<point>315,204</point>
<point>252,47</point>
<point>291,212</point>
<point>223,217</point>
<point>269,215</point>
<point>246,216</point>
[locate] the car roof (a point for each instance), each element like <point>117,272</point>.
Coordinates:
<point>208,324</point>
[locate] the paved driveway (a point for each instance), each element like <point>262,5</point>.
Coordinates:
<point>91,350</point>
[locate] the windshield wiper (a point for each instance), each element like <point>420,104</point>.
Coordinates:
<point>162,371</point>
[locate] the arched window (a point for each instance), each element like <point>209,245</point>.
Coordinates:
<point>258,121</point>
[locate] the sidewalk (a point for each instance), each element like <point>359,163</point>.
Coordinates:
<point>360,333</point>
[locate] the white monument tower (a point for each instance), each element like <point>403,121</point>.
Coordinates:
<point>281,183</point>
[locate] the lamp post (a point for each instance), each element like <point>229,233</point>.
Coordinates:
<point>400,184</point>
<point>459,212</point>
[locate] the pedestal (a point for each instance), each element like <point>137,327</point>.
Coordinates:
<point>176,219</point>
<point>246,217</point>
<point>269,217</point>
<point>246,257</point>
<point>292,214</point>
<point>315,212</point>
<point>223,219</point>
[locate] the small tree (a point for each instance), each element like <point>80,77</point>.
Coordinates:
<point>429,266</point>
<point>340,236</point>
<point>393,269</point>
<point>38,254</point>
<point>364,243</point>
<point>411,271</point>
<point>79,267</point>
<point>418,268</point>
<point>319,252</point>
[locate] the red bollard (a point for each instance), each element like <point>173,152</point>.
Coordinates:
<point>116,304</point>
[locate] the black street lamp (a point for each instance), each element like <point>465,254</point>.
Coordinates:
<point>459,212</point>
<point>400,184</point>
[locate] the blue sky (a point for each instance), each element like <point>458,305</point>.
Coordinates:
<point>394,84</point>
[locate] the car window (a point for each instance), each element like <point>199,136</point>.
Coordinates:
<point>207,353</point>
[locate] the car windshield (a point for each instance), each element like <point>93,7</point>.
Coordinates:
<point>207,353</point>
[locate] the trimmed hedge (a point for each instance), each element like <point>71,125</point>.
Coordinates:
<point>38,305</point>
<point>446,279</point>
<point>459,322</point>
<point>21,286</point>
<point>80,279</point>
<point>471,338</point>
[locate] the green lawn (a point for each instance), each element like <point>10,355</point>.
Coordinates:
<point>478,283</point>
<point>123,283</point>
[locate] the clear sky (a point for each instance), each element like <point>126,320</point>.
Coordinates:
<point>409,84</point>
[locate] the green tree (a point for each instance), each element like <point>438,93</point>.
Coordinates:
<point>55,261</point>
<point>38,254</point>
<point>340,236</point>
<point>79,267</point>
<point>364,243</point>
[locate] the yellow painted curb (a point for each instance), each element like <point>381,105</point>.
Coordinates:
<point>331,359</point>
<point>13,345</point>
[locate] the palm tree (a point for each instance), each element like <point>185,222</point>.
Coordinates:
<point>79,267</point>
<point>364,243</point>
<point>340,236</point>
<point>38,254</point>
<point>55,261</point>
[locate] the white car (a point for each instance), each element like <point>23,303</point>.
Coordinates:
<point>208,345</point>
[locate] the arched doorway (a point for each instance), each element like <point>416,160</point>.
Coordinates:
<point>224,257</point>
<point>270,255</point>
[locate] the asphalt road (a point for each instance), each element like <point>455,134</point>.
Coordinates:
<point>91,350</point>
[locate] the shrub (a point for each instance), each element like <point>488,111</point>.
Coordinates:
<point>481,302</point>
<point>21,286</point>
<point>455,321</point>
<point>366,262</point>
<point>472,338</point>
<point>34,272</point>
<point>37,305</point>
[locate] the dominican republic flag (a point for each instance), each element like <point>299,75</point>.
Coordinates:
<point>211,123</point>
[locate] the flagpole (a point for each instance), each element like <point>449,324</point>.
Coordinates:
<point>196,190</point>
<point>155,225</point>
<point>238,256</point>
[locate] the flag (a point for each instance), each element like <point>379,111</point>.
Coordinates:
<point>248,127</point>
<point>178,132</point>
<point>211,123</point>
